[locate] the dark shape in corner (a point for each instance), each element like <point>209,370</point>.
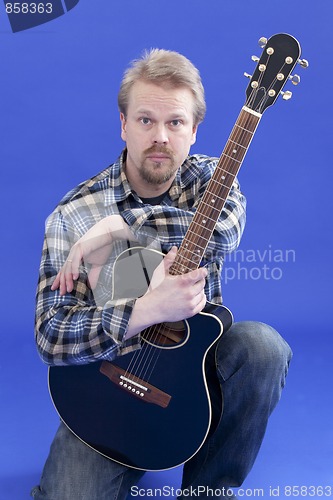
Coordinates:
<point>29,14</point>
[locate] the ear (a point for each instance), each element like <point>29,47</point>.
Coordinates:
<point>194,134</point>
<point>123,126</point>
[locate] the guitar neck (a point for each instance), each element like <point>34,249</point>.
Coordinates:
<point>200,230</point>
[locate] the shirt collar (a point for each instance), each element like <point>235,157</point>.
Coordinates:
<point>185,176</point>
<point>119,188</point>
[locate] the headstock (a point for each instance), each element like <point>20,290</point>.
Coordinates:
<point>280,55</point>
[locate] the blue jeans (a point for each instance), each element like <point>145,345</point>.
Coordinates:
<point>252,361</point>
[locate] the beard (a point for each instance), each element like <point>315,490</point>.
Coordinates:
<point>158,172</point>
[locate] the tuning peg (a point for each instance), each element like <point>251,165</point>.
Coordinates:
<point>303,62</point>
<point>255,58</point>
<point>286,95</point>
<point>262,42</point>
<point>295,79</point>
<point>247,75</point>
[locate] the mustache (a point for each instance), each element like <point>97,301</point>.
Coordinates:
<point>159,149</point>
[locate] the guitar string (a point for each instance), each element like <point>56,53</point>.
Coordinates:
<point>255,90</point>
<point>148,357</point>
<point>151,333</point>
<point>135,360</point>
<point>142,359</point>
<point>210,208</point>
<point>154,330</point>
<point>146,365</point>
<point>179,271</point>
<point>139,358</point>
<point>151,366</point>
<point>152,360</point>
<point>272,84</point>
<point>187,249</point>
<point>180,266</point>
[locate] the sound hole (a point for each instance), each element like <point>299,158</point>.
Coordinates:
<point>166,334</point>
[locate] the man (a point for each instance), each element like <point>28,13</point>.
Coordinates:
<point>149,196</point>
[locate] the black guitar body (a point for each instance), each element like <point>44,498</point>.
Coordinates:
<point>131,431</point>
<point>149,435</point>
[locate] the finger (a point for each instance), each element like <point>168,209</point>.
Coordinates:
<point>68,276</point>
<point>202,303</point>
<point>170,258</point>
<point>76,259</point>
<point>202,272</point>
<point>195,276</point>
<point>56,282</point>
<point>60,283</point>
<point>199,301</point>
<point>64,279</point>
<point>197,305</point>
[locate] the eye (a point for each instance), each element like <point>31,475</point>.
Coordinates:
<point>145,121</point>
<point>175,123</point>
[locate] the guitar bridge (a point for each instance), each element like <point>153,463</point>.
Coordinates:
<point>134,385</point>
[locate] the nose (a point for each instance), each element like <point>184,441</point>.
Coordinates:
<point>160,134</point>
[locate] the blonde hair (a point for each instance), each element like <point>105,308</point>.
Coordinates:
<point>164,67</point>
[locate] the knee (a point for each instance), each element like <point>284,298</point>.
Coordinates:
<point>257,345</point>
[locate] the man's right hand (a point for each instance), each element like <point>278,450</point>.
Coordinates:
<point>169,298</point>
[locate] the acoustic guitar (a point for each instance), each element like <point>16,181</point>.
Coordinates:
<point>152,409</point>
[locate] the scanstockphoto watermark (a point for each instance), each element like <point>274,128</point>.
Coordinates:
<point>258,264</point>
<point>170,491</point>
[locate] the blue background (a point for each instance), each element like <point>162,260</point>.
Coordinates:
<point>59,126</point>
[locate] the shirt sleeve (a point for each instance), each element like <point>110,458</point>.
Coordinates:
<point>74,329</point>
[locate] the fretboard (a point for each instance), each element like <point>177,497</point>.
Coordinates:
<point>200,230</point>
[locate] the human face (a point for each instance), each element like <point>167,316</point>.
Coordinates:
<point>158,130</point>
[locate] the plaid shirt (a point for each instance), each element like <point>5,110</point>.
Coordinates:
<point>84,326</point>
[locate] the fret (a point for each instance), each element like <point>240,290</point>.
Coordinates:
<point>211,205</point>
<point>243,128</point>
<point>233,168</point>
<point>218,183</point>
<point>193,253</point>
<point>235,154</point>
<point>191,231</point>
<point>182,269</point>
<point>214,197</point>
<point>204,222</point>
<point>200,248</point>
<point>238,145</point>
<point>219,168</point>
<point>226,177</point>
<point>205,218</point>
<point>191,257</point>
<point>212,208</point>
<point>231,157</point>
<point>194,257</point>
<point>216,191</point>
<point>203,228</point>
